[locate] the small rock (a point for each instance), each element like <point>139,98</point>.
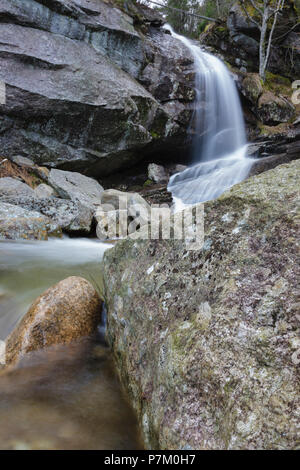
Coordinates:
<point>43,191</point>
<point>77,187</point>
<point>65,312</point>
<point>177,169</point>
<point>157,173</point>
<point>42,172</point>
<point>13,187</point>
<point>23,161</point>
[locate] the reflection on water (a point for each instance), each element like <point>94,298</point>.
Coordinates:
<point>66,397</point>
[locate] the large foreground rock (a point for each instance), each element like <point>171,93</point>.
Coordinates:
<point>206,340</point>
<point>87,84</point>
<point>65,312</point>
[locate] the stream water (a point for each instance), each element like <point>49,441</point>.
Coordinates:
<point>65,397</point>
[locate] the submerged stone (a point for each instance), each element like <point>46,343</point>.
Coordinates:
<point>65,312</point>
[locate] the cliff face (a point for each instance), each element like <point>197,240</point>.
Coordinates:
<point>206,340</point>
<point>90,87</point>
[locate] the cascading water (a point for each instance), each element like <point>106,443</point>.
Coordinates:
<point>219,142</point>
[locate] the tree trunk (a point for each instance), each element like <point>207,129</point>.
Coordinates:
<point>262,44</point>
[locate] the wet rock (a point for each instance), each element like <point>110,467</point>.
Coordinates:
<point>19,223</point>
<point>157,194</point>
<point>13,187</point>
<point>157,173</point>
<point>272,109</point>
<point>177,169</point>
<point>268,163</point>
<point>65,312</point>
<point>205,340</point>
<point>77,187</point>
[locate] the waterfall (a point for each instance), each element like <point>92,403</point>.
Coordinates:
<point>219,138</point>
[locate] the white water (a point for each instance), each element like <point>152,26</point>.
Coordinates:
<point>219,141</point>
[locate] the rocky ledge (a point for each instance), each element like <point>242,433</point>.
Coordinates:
<point>205,341</point>
<point>89,86</point>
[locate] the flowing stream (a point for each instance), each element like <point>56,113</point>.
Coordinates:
<point>68,396</point>
<point>218,129</point>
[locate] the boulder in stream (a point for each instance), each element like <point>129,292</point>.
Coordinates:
<point>67,311</point>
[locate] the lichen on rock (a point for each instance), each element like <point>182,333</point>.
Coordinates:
<point>205,340</point>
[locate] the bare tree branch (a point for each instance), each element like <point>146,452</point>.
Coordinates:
<point>256,7</point>
<point>248,16</point>
<point>280,6</point>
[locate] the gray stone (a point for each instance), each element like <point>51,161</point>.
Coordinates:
<point>19,223</point>
<point>43,191</point>
<point>77,187</point>
<point>70,216</point>
<point>13,187</point>
<point>157,173</point>
<point>23,161</point>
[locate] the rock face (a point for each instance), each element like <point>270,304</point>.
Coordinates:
<point>87,85</point>
<point>65,312</point>
<point>19,223</point>
<point>206,340</point>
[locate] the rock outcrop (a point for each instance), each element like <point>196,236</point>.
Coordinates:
<point>69,200</point>
<point>206,340</point>
<point>90,87</point>
<point>65,312</point>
